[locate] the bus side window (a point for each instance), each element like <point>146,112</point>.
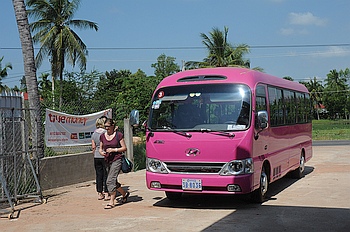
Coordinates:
<point>260,98</point>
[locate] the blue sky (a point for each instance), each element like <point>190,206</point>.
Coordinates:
<point>298,38</point>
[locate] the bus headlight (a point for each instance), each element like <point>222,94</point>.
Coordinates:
<point>237,167</point>
<point>155,165</point>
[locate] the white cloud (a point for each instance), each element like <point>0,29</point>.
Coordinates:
<point>299,21</point>
<point>287,31</point>
<point>306,19</point>
<point>333,51</point>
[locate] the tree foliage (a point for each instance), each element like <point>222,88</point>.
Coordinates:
<point>220,52</point>
<point>337,89</point>
<point>165,66</point>
<point>54,31</point>
<point>120,90</point>
<point>333,95</point>
<point>3,72</point>
<point>316,89</point>
<point>288,78</point>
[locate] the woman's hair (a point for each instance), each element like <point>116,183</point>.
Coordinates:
<point>100,123</point>
<point>110,121</point>
<point>104,117</point>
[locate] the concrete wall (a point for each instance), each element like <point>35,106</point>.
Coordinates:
<point>65,170</point>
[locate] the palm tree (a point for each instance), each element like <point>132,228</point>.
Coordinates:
<point>53,30</point>
<point>315,88</point>
<point>3,72</point>
<point>336,88</point>
<point>221,52</point>
<point>29,71</point>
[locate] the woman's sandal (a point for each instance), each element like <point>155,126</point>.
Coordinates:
<point>107,197</point>
<point>100,196</point>
<point>109,206</point>
<point>125,198</point>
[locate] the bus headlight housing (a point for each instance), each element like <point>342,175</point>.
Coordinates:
<point>155,165</point>
<point>237,167</point>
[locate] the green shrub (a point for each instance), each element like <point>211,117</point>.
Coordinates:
<point>139,156</point>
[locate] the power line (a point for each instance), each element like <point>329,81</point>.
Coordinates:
<point>333,91</point>
<point>301,46</point>
<point>201,47</point>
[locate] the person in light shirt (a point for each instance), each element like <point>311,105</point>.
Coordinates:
<point>99,162</point>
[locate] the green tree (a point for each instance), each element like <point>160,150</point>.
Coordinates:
<point>53,30</point>
<point>123,91</point>
<point>29,70</point>
<point>336,92</point>
<point>108,89</point>
<point>288,78</point>
<point>165,66</point>
<point>45,87</point>
<point>137,94</point>
<point>23,86</point>
<point>80,88</point>
<point>3,72</point>
<point>315,88</point>
<point>220,52</point>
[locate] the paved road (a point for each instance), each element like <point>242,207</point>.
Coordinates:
<point>331,143</point>
<point>318,202</point>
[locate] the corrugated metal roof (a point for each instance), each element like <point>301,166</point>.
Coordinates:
<point>11,99</point>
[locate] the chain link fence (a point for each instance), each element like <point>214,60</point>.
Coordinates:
<point>92,106</point>
<point>19,154</point>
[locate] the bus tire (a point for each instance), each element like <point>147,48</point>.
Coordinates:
<point>299,172</point>
<point>259,194</point>
<point>173,196</point>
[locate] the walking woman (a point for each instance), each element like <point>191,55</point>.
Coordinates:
<point>99,162</point>
<point>112,145</point>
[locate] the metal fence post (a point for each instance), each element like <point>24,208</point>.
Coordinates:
<point>128,139</point>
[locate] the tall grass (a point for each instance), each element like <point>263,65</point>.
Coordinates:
<point>331,129</point>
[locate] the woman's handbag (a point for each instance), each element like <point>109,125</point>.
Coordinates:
<point>126,164</point>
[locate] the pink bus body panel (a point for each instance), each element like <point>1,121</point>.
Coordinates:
<point>281,146</point>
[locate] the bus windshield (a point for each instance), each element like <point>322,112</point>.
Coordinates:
<point>218,107</point>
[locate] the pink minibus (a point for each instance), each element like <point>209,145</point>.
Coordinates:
<point>226,131</point>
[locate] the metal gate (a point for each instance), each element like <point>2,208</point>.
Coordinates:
<point>19,161</point>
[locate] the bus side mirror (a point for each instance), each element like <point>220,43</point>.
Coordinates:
<point>144,125</point>
<point>263,121</point>
<point>134,118</point>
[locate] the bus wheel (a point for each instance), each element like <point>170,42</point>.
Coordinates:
<point>173,196</point>
<point>259,194</point>
<point>299,172</point>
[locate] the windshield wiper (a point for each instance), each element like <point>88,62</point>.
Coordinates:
<point>217,132</point>
<point>188,135</point>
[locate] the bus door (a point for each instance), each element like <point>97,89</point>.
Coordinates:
<point>261,142</point>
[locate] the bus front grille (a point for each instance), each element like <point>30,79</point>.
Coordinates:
<point>194,167</point>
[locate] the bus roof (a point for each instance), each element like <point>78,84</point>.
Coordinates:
<point>228,75</point>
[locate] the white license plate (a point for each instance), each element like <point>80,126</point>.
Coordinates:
<point>191,184</point>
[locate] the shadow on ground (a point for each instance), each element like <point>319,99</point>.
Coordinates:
<point>214,201</point>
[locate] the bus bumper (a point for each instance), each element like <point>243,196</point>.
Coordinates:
<point>211,184</point>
